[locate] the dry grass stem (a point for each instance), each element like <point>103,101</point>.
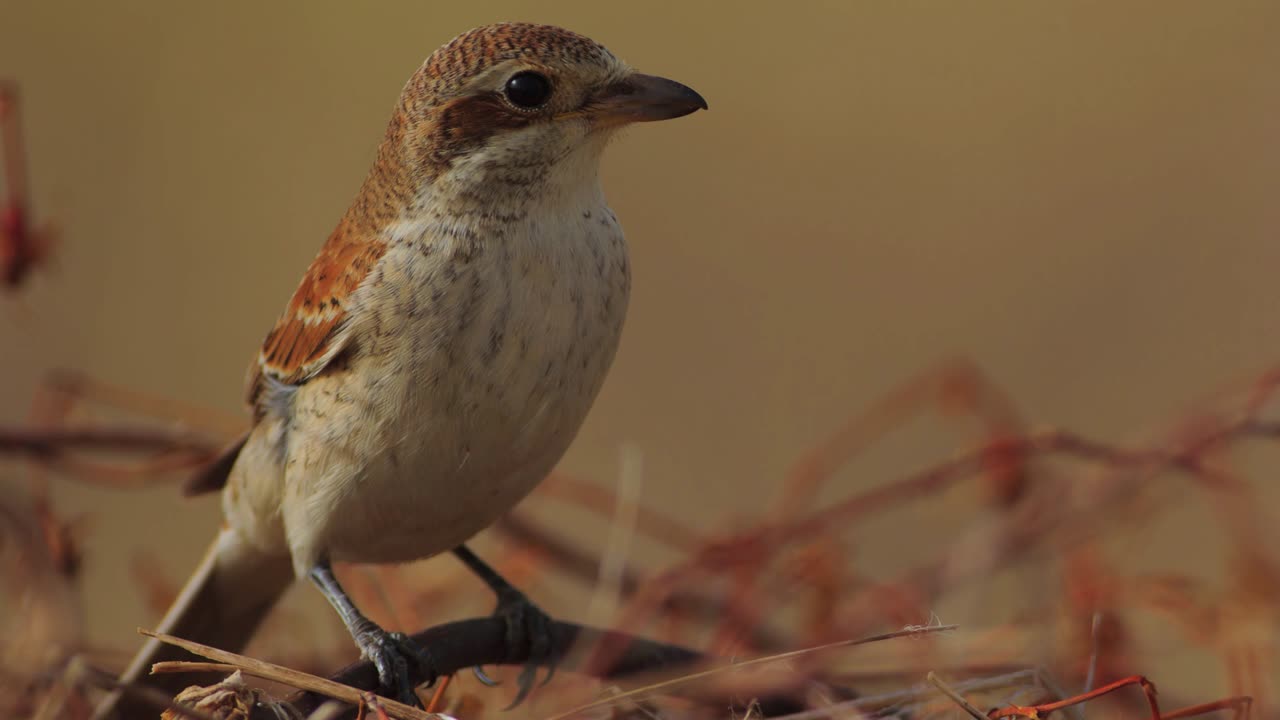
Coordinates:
<point>290,677</point>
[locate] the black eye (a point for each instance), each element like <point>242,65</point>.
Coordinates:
<point>528,90</point>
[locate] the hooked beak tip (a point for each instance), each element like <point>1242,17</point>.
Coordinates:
<point>647,98</point>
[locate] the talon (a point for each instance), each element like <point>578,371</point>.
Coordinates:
<point>529,631</point>
<point>484,677</point>
<point>542,648</point>
<point>528,626</point>
<point>390,654</point>
<point>528,677</point>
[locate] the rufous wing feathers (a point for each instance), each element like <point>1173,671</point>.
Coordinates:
<point>312,331</point>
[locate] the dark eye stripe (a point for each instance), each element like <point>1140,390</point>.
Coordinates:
<point>467,122</point>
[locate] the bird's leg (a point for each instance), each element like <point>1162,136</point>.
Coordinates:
<point>527,625</point>
<point>390,652</point>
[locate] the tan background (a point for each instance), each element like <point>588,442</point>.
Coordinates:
<point>1079,196</point>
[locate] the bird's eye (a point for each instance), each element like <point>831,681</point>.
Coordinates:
<point>528,90</point>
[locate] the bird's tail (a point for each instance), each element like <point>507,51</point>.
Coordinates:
<point>222,605</point>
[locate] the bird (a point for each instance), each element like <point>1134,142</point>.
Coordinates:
<point>442,350</point>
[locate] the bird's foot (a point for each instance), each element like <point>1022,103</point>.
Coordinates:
<point>391,653</point>
<point>529,634</point>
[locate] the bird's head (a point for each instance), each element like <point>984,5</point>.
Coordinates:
<point>517,108</point>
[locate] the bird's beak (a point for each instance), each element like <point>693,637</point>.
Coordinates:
<point>644,98</point>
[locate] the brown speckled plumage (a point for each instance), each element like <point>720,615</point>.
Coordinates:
<point>446,343</point>
<point>444,73</point>
<point>430,127</point>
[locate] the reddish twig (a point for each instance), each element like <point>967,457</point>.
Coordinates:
<point>752,546</point>
<point>1241,704</point>
<point>1034,712</point>
<point>957,386</point>
<point>58,446</point>
<point>22,247</point>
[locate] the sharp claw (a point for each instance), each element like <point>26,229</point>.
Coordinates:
<point>406,646</point>
<point>405,687</point>
<point>528,676</point>
<point>484,678</point>
<point>528,625</point>
<point>410,698</point>
<point>543,650</point>
<point>391,653</point>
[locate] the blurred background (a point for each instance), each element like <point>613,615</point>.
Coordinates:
<point>1078,198</point>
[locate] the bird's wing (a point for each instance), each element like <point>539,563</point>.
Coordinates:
<point>313,330</point>
<point>316,325</point>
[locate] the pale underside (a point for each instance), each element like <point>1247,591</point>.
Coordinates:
<point>468,363</point>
